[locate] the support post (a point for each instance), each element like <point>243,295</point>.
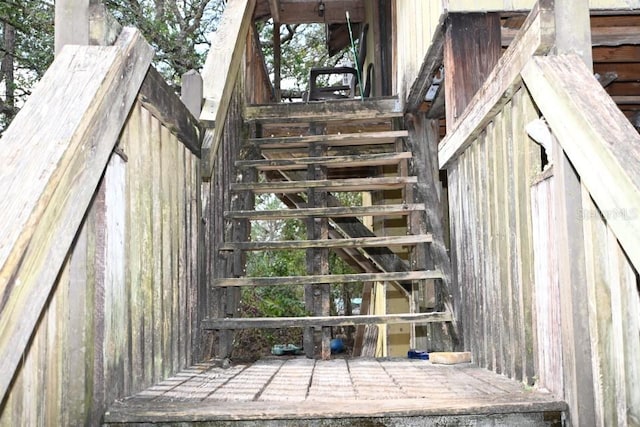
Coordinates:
<point>573,36</point>
<point>191,93</point>
<point>71,22</point>
<point>277,58</point>
<point>469,35</point>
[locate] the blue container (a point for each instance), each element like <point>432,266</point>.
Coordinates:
<point>418,354</point>
<point>337,346</point>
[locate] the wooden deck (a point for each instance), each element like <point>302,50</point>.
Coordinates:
<point>301,391</point>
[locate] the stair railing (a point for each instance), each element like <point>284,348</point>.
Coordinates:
<point>548,270</point>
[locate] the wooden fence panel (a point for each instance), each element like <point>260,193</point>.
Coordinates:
<point>122,311</point>
<point>492,241</point>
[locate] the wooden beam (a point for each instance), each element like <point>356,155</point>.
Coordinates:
<point>191,92</point>
<point>430,65</point>
<point>161,100</point>
<point>352,184</point>
<point>329,278</point>
<point>357,242</point>
<point>274,8</point>
<point>51,171</point>
<point>277,59</point>
<point>221,70</point>
<point>357,160</point>
<point>103,27</point>
<point>337,110</point>
<point>333,212</point>
<point>71,23</point>
<point>536,37</point>
<point>600,36</point>
<point>308,12</point>
<point>465,77</point>
<point>301,322</point>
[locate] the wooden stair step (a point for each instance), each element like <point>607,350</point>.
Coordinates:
<point>333,140</point>
<point>303,322</point>
<point>350,184</point>
<point>360,242</point>
<point>329,278</point>
<point>325,111</point>
<point>333,212</point>
<point>356,160</point>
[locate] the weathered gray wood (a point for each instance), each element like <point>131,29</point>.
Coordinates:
<point>328,278</point>
<point>71,23</point>
<point>536,37</point>
<point>610,144</point>
<point>337,110</point>
<point>332,212</point>
<point>351,184</point>
<point>277,54</point>
<point>191,92</point>
<point>332,140</point>
<point>274,8</point>
<point>53,198</point>
<point>162,101</point>
<point>328,243</point>
<point>220,72</point>
<point>297,163</point>
<point>430,65</point>
<point>103,27</point>
<point>298,322</point>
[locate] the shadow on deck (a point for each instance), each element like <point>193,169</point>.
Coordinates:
<point>300,391</point>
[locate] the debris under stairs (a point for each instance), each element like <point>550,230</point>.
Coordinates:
<point>306,153</point>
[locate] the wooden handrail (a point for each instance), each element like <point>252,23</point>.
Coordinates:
<point>600,142</point>
<point>221,71</point>
<point>53,157</point>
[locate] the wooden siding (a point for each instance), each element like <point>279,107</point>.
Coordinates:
<point>519,5</point>
<point>415,24</point>
<point>492,243</point>
<point>121,316</point>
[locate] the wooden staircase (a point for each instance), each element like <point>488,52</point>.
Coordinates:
<point>304,154</point>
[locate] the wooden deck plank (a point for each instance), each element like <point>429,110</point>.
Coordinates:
<point>328,278</point>
<point>333,212</point>
<point>301,389</point>
<point>296,322</point>
<point>360,242</point>
<point>354,184</point>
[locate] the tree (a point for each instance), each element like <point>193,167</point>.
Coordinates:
<point>176,29</point>
<point>26,50</point>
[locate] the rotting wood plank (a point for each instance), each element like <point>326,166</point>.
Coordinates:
<point>332,140</point>
<point>350,184</point>
<point>36,237</point>
<point>332,212</point>
<point>328,243</point>
<point>328,278</point>
<point>158,98</point>
<point>297,322</point>
<point>333,110</point>
<point>298,163</point>
<point>535,38</point>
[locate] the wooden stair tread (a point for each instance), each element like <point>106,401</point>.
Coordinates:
<point>333,212</point>
<point>360,242</point>
<point>329,278</point>
<point>293,322</point>
<point>333,140</point>
<point>356,160</point>
<point>349,184</point>
<point>325,111</point>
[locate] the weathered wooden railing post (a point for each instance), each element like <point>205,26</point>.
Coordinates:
<point>573,36</point>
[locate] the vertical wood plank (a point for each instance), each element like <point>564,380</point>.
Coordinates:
<point>484,255</point>
<point>71,23</point>
<point>167,254</point>
<point>489,254</point>
<point>155,143</point>
<point>181,252</point>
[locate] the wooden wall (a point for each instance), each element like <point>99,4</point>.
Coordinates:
<point>514,5</point>
<point>122,313</point>
<point>415,24</point>
<point>492,242</point>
